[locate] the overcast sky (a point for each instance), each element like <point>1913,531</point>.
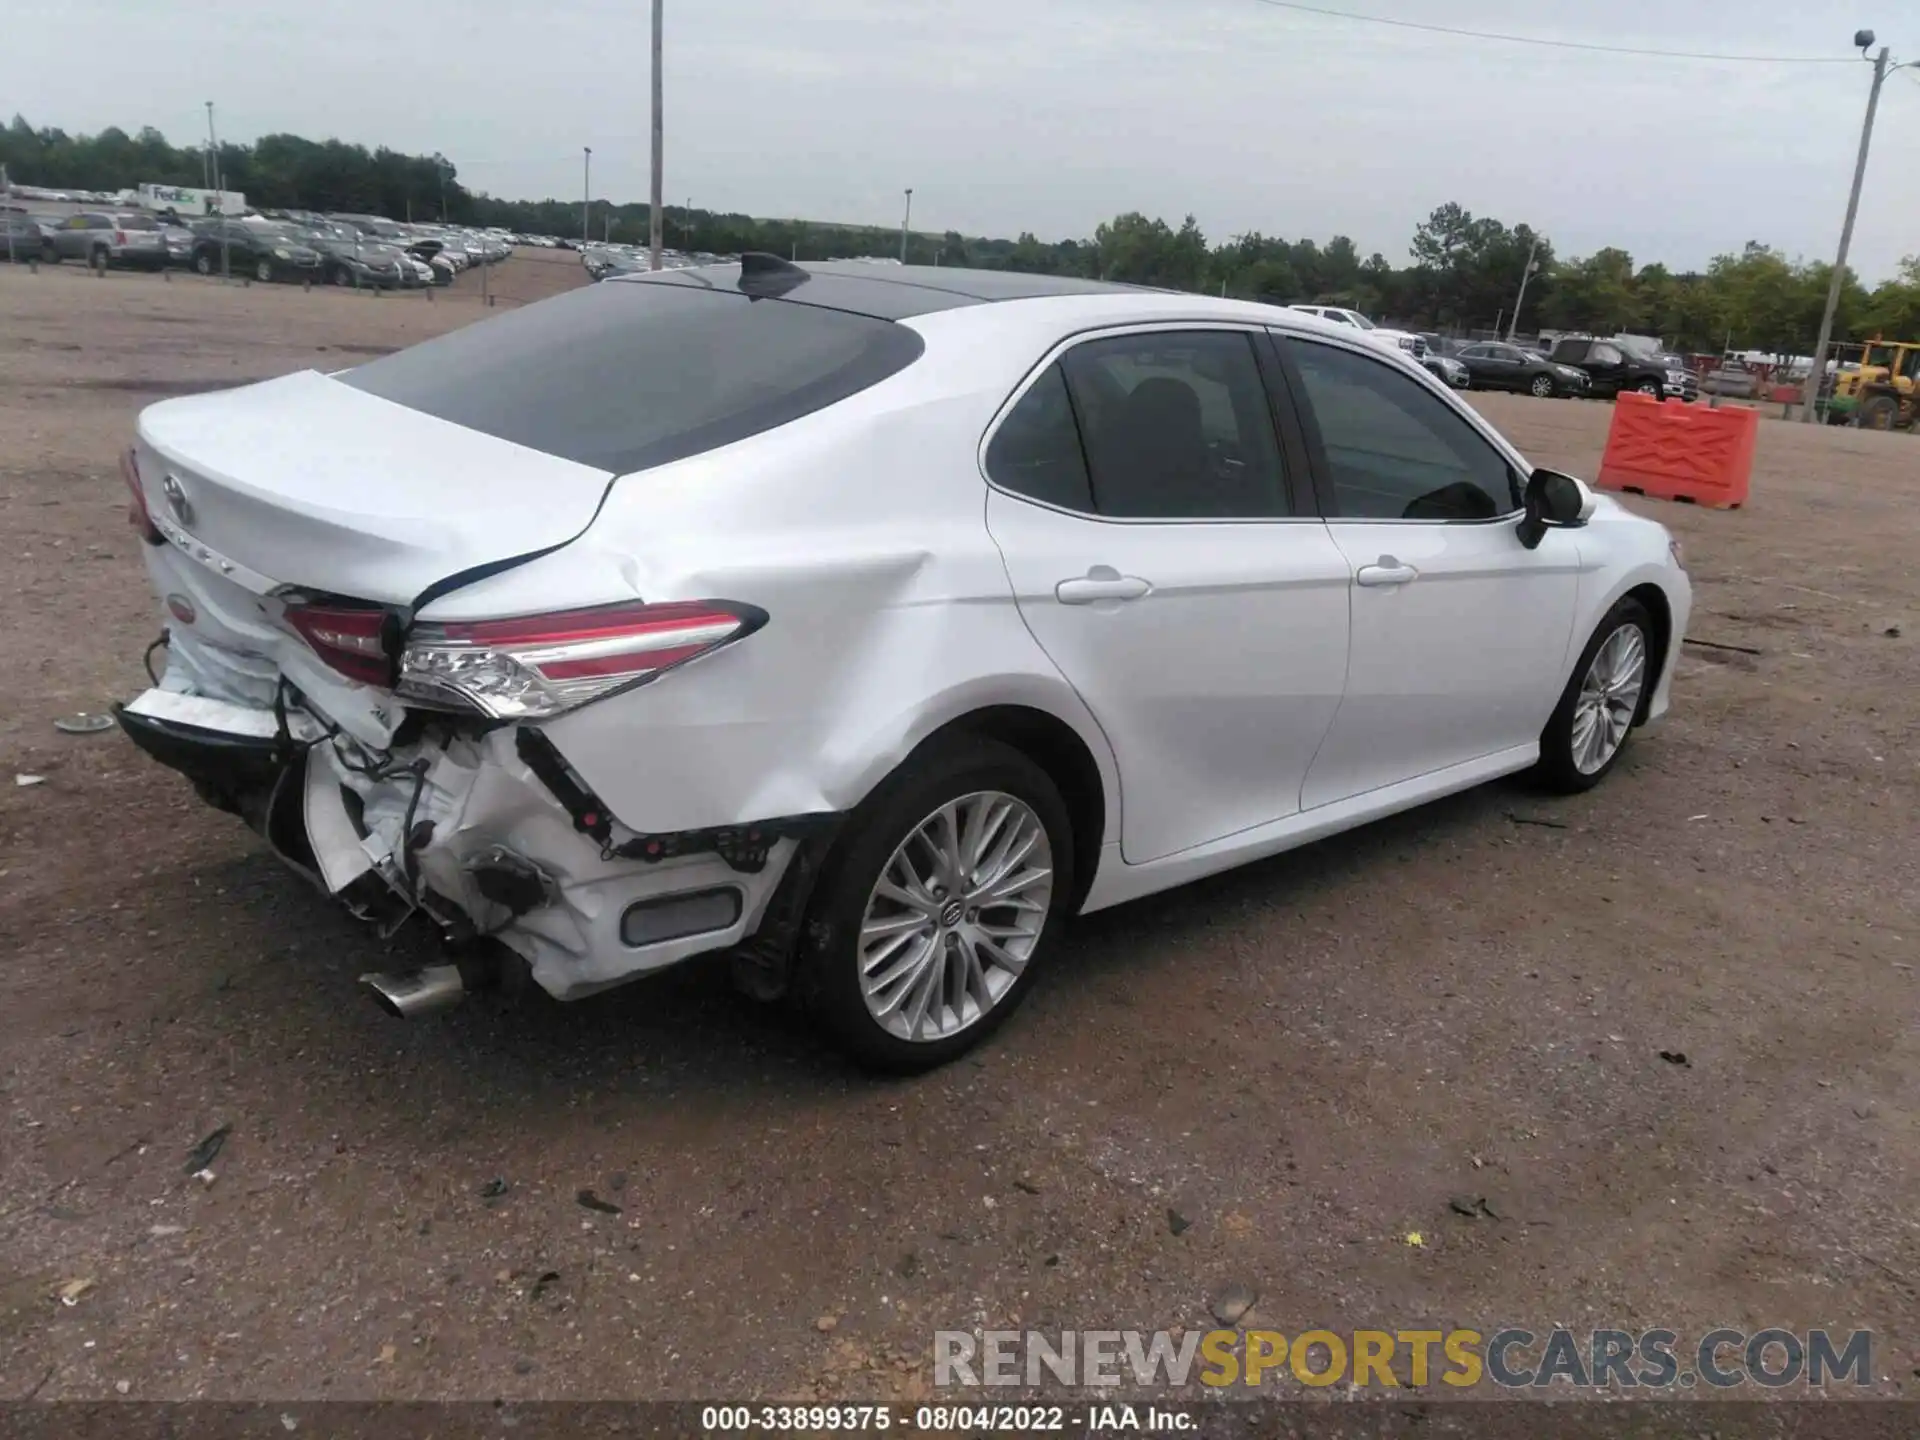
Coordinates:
<point>1051,115</point>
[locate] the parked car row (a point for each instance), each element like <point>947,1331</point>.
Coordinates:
<point>100,238</point>
<point>1578,366</point>
<point>340,249</point>
<point>601,261</point>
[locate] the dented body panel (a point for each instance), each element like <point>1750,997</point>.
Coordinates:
<point>423,825</point>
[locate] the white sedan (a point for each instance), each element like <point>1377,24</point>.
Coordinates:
<point>862,622</point>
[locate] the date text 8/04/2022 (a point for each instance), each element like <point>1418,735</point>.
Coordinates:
<point>948,1419</point>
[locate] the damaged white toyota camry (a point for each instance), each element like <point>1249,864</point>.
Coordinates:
<point>861,622</point>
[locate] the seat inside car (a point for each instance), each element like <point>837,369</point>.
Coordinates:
<point>1156,461</point>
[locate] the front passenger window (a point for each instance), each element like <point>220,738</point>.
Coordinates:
<point>1394,450</point>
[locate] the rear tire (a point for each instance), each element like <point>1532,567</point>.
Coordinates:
<point>203,263</point>
<point>263,271</point>
<point>939,935</point>
<point>1878,413</point>
<point>1603,701</point>
<point>97,260</point>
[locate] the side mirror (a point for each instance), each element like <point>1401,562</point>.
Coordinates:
<point>1553,501</point>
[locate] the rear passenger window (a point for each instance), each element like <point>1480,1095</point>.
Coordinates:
<point>1036,450</point>
<point>1177,427</point>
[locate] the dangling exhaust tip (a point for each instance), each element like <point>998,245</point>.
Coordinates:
<point>413,993</point>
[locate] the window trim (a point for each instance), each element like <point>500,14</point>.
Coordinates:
<point>1302,495</point>
<point>1309,424</point>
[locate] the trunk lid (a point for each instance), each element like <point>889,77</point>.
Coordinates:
<point>303,481</point>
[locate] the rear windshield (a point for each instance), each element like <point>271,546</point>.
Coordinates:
<point>624,375</point>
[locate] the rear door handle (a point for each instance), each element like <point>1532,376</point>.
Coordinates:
<point>1102,582</point>
<point>1386,571</point>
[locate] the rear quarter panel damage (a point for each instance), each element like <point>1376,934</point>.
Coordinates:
<point>861,532</point>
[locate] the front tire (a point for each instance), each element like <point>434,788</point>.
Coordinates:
<point>263,271</point>
<point>1649,387</point>
<point>1602,702</point>
<point>1542,387</point>
<point>941,898</point>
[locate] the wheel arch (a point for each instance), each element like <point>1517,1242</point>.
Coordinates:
<point>1660,610</point>
<point>1057,748</point>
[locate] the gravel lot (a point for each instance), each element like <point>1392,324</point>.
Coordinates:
<point>1303,1060</point>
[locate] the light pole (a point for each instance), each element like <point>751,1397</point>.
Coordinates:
<point>586,194</point>
<point>207,169</point>
<point>1817,373</point>
<point>656,220</point>
<point>1521,298</point>
<point>213,161</point>
<point>904,219</point>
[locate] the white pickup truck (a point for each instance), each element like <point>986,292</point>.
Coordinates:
<point>1353,319</point>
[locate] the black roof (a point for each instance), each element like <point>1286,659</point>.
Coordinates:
<point>883,292</point>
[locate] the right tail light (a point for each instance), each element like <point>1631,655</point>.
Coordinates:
<point>138,516</point>
<point>541,665</point>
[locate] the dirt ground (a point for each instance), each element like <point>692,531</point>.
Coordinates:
<point>1303,1061</point>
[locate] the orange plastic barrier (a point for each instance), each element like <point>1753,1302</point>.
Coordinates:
<point>1689,453</point>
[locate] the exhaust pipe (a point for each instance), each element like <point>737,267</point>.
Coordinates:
<point>407,993</point>
<point>417,992</point>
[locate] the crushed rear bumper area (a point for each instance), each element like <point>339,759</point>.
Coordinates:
<point>454,825</point>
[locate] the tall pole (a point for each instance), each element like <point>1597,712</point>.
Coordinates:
<point>656,216</point>
<point>219,205</point>
<point>1521,298</point>
<point>1818,372</point>
<point>586,193</point>
<point>208,167</point>
<point>904,220</point>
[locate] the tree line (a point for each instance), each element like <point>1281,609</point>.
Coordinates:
<point>1464,277</point>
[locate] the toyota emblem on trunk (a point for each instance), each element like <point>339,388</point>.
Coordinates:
<point>176,494</point>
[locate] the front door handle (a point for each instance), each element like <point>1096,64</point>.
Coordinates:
<point>1102,582</point>
<point>1386,571</point>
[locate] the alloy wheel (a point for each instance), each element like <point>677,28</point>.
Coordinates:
<point>1542,386</point>
<point>1609,698</point>
<point>955,916</point>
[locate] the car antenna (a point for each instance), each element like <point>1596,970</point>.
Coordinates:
<point>763,275</point>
